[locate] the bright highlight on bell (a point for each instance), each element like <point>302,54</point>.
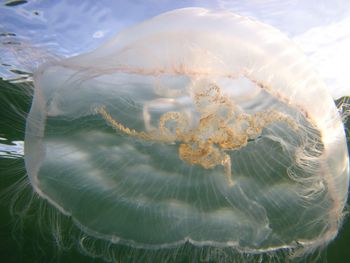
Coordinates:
<point>195,126</point>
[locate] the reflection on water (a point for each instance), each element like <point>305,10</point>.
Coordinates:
<point>11,149</point>
<point>32,31</point>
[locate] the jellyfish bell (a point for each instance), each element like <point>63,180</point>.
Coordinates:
<point>196,126</point>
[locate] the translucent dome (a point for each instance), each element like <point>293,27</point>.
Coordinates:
<point>194,126</point>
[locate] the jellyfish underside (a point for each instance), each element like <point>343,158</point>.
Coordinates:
<point>219,129</point>
<point>193,127</point>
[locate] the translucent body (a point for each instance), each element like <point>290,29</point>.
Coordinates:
<point>193,126</point>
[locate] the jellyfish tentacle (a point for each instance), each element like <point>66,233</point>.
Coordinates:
<point>118,126</point>
<point>260,120</point>
<point>154,104</point>
<point>226,162</point>
<point>220,128</point>
<point>180,129</point>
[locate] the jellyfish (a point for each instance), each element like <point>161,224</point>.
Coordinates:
<point>194,127</point>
